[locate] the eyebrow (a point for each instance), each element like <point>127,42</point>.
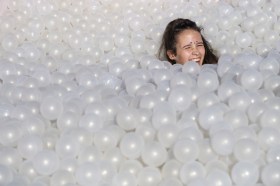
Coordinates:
<point>197,42</point>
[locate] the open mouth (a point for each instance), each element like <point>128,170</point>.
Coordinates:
<point>196,60</point>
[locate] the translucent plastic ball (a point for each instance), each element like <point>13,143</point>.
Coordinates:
<point>148,132</point>
<point>171,168</point>
<point>227,89</point>
<point>245,173</point>
<point>185,150</point>
<point>244,40</point>
<point>6,175</point>
<point>191,68</point>
<point>10,132</point>
<point>167,134</point>
<point>206,151</point>
<point>108,171</point>
<point>149,176</point>
<point>9,42</point>
<point>154,154</point>
<point>255,110</point>
<point>246,150</point>
<point>209,116</point>
<point>246,132</point>
<point>223,142</point>
<point>81,135</point>
<point>218,177</point>
<point>67,146</point>
<point>180,97</point>
<point>268,137</point>
<point>269,63</point>
<point>67,120</point>
<point>236,118</point>
<point>239,101</point>
<point>123,179</point>
<point>269,174</point>
<point>131,145</point>
<point>163,114</point>
<point>105,139</point>
<point>29,145</point>
<point>126,118</point>
<point>207,100</point>
<point>114,156</point>
<point>91,122</point>
<point>89,154</point>
<point>270,117</point>
<point>62,177</point>
<point>45,162</point>
<point>191,170</point>
<point>26,169</point>
<point>131,166</point>
<point>170,181</point>
<point>207,81</point>
<point>273,154</point>
<point>51,107</point>
<point>251,79</point>
<point>88,173</point>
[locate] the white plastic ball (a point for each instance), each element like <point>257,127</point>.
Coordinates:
<point>126,119</point>
<point>170,181</point>
<point>190,171</point>
<point>207,81</point>
<point>6,175</point>
<point>245,173</point>
<point>105,140</point>
<point>185,150</point>
<point>10,132</point>
<point>268,137</point>
<point>154,154</point>
<point>45,162</point>
<point>223,142</point>
<point>89,154</point>
<point>218,177</point>
<point>171,168</point>
<point>124,178</point>
<point>62,177</point>
<point>180,97</point>
<point>273,154</point>
<point>163,114</point>
<point>90,122</point>
<point>209,116</point>
<point>246,150</point>
<point>206,152</point>
<point>270,173</point>
<point>236,118</point>
<point>29,145</point>
<point>131,166</point>
<point>88,173</point>
<point>131,145</point>
<point>51,107</point>
<point>167,134</point>
<point>149,176</point>
<point>67,146</point>
<point>67,120</point>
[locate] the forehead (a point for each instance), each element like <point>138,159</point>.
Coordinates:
<point>188,36</point>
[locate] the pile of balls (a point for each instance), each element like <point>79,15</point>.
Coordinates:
<point>84,100</point>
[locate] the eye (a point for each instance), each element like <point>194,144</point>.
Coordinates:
<point>187,47</point>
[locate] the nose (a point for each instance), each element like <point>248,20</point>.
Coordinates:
<point>195,50</point>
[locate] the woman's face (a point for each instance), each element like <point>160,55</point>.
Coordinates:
<point>189,47</point>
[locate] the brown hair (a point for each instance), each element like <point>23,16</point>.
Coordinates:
<point>170,34</point>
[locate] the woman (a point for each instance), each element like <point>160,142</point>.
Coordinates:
<point>182,41</point>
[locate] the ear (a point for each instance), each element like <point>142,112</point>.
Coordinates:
<point>171,55</point>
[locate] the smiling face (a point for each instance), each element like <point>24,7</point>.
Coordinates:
<point>189,47</point>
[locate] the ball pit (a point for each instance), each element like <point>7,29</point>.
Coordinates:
<point>84,100</point>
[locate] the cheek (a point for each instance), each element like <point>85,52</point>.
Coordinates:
<point>202,51</point>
